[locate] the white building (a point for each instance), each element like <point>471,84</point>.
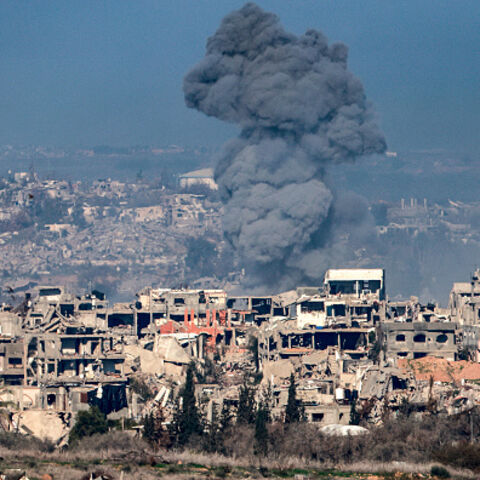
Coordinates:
<point>198,177</point>
<point>356,282</point>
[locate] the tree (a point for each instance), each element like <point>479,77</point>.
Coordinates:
<point>149,430</point>
<point>154,431</point>
<point>246,405</point>
<point>212,440</point>
<point>355,417</point>
<point>261,431</point>
<point>187,419</point>
<point>253,347</point>
<point>218,429</point>
<point>89,422</point>
<point>292,411</point>
<point>225,417</point>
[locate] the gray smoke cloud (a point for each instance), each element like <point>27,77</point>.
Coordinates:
<point>300,111</point>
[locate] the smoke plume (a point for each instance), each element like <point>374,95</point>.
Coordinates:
<point>300,111</point>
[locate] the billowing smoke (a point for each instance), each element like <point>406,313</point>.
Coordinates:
<point>300,111</point>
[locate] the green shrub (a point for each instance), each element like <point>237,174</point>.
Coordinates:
<point>89,422</point>
<point>18,441</point>
<point>462,455</point>
<point>440,472</point>
<point>114,440</point>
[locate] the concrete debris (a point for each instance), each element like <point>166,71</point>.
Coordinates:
<point>138,358</point>
<point>279,371</point>
<point>46,425</point>
<point>169,350</point>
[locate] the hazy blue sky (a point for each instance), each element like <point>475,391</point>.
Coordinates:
<point>90,72</point>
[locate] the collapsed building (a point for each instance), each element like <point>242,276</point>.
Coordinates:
<point>417,340</point>
<point>464,306</point>
<point>344,342</point>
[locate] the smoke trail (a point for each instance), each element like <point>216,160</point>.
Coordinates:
<point>300,110</point>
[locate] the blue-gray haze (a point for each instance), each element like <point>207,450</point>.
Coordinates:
<point>79,74</point>
<point>84,73</point>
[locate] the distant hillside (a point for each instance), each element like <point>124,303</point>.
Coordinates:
<point>120,163</point>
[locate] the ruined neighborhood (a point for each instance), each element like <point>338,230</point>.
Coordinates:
<point>353,350</point>
<point>120,235</point>
<point>345,344</point>
<point>239,252</point>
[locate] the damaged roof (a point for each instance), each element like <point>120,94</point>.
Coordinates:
<point>285,299</point>
<point>440,369</point>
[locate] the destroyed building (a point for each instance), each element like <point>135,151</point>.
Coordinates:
<point>419,339</point>
<point>464,301</point>
<point>356,282</point>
